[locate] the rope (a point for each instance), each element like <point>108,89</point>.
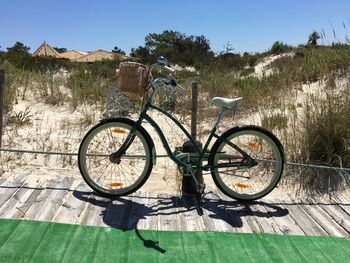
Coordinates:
<point>313,166</point>
<point>37,152</point>
<point>56,153</point>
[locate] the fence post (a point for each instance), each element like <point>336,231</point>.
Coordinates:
<point>188,185</point>
<point>2,87</point>
<point>194,110</point>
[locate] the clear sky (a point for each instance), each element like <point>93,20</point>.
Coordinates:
<point>248,25</point>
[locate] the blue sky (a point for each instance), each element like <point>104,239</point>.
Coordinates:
<point>248,25</point>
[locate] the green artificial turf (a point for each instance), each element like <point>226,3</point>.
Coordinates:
<point>34,241</point>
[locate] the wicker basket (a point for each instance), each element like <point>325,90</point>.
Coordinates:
<point>133,79</point>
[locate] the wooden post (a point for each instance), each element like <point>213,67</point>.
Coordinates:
<point>194,110</point>
<point>2,87</point>
<point>188,184</point>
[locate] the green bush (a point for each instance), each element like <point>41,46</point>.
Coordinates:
<point>279,47</point>
<point>13,79</point>
<point>312,64</point>
<point>89,85</point>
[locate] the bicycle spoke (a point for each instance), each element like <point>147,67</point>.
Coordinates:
<point>249,182</point>
<point>119,177</point>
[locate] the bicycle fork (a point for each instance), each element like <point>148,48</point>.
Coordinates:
<point>115,157</point>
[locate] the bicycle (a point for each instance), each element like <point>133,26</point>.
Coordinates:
<point>117,155</point>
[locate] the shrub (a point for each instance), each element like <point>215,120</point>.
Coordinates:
<point>279,47</point>
<point>324,139</point>
<point>326,130</point>
<point>276,121</point>
<point>21,118</point>
<point>12,80</point>
<point>88,86</point>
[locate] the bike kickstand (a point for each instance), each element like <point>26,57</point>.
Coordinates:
<point>199,187</point>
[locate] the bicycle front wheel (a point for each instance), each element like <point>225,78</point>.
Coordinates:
<point>243,182</point>
<point>115,178</point>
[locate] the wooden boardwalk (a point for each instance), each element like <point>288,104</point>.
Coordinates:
<point>66,200</point>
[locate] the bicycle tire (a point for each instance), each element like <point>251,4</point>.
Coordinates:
<point>248,183</point>
<point>115,179</point>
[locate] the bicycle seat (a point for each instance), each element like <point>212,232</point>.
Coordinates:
<point>227,103</point>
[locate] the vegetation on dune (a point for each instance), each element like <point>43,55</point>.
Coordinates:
<point>314,131</point>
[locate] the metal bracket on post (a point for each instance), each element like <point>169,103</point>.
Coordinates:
<point>2,87</point>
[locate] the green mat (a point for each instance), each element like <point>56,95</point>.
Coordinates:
<point>33,241</point>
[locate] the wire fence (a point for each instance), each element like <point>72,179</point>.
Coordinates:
<point>301,165</point>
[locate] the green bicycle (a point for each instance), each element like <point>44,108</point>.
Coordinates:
<point>117,155</point>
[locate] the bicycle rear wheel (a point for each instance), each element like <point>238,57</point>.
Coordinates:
<point>109,178</point>
<point>242,182</point>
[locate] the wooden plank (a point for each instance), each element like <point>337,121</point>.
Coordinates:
<point>153,205</point>
<point>21,201</point>
<point>198,212</point>
<point>189,218</point>
<point>74,204</point>
<point>138,210</point>
<point>340,198</point>
<point>9,187</point>
<point>247,215</point>
<point>47,204</point>
<point>113,212</point>
<point>167,211</point>
<point>284,222</point>
<point>342,202</point>
<point>94,211</point>
<point>305,221</point>
<point>118,212</point>
<point>263,217</point>
<point>338,215</point>
<point>240,214</point>
<point>225,212</point>
<point>142,213</point>
<point>214,216</point>
<point>182,212</point>
<point>324,220</point>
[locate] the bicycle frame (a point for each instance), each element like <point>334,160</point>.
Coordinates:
<point>250,162</point>
<point>166,146</point>
<point>202,152</point>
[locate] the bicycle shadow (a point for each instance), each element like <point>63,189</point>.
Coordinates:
<point>125,213</point>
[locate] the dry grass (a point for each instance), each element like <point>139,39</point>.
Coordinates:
<point>313,131</point>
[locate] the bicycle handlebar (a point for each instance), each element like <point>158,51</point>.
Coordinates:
<point>165,80</point>
<point>162,66</point>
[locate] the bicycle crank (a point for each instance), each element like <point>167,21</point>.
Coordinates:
<point>186,158</point>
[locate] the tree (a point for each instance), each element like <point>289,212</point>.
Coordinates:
<point>118,51</point>
<point>279,47</point>
<point>18,48</point>
<point>176,46</point>
<point>142,53</point>
<point>2,56</point>
<point>18,54</point>
<point>313,37</point>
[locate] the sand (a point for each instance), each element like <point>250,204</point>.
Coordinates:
<point>61,128</point>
